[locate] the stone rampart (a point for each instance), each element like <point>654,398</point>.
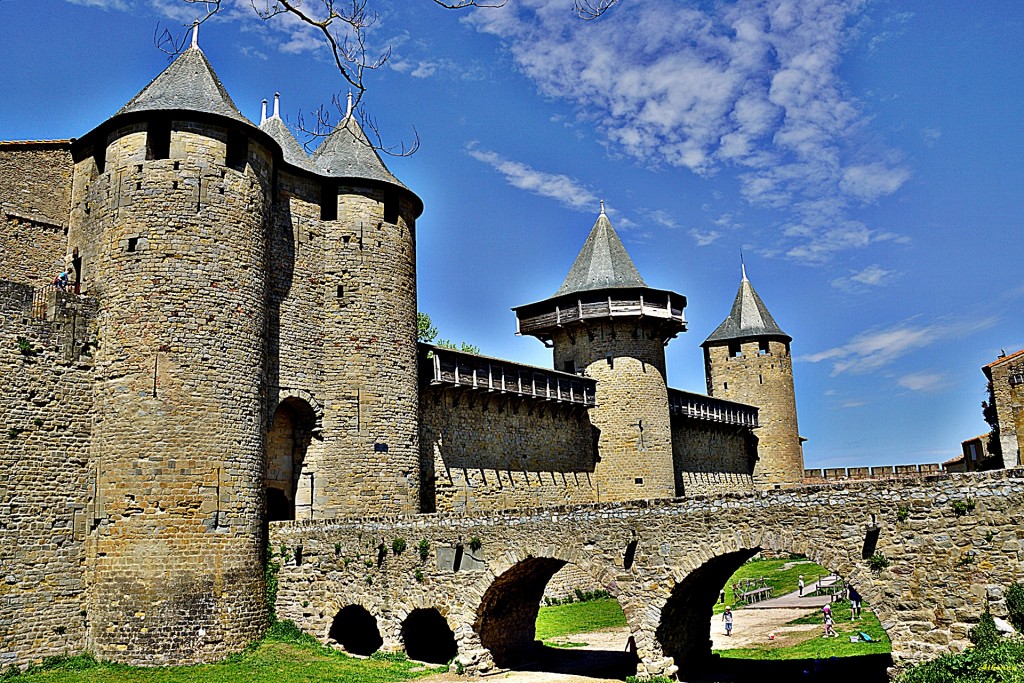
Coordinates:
<point>711,459</point>
<point>664,561</point>
<point>45,475</point>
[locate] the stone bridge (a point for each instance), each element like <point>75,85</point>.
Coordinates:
<point>472,584</point>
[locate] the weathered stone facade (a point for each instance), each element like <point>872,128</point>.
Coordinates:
<point>665,561</point>
<point>1007,378</point>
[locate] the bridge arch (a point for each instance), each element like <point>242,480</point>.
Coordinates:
<point>683,630</point>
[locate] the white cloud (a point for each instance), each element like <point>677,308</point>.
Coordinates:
<point>872,276</point>
<point>705,239</point>
<point>921,381</point>
<point>120,5</point>
<point>563,189</point>
<point>875,348</point>
<point>751,84</point>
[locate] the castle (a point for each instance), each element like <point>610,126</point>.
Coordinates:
<point>237,345</point>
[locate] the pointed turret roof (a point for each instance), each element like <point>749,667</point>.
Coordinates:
<point>749,318</point>
<point>189,83</point>
<point>290,147</point>
<point>347,153</point>
<point>602,262</point>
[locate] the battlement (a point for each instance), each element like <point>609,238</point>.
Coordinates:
<point>844,474</point>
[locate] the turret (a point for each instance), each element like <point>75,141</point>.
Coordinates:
<point>171,198</point>
<point>606,323</point>
<point>371,394</point>
<point>747,359</point>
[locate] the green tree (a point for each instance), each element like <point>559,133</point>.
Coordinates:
<point>425,330</point>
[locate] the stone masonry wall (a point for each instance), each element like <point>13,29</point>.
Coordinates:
<point>627,359</point>
<point>180,268</point>
<point>489,453</point>
<point>764,380</point>
<point>45,478</point>
<point>35,197</point>
<point>711,459</point>
<point>1008,389</point>
<point>945,567</point>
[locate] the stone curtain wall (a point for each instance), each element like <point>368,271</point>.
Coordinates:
<point>927,599</point>
<point>35,197</point>
<point>45,475</point>
<point>711,459</point>
<point>483,452</point>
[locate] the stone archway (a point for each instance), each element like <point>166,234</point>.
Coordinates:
<point>291,432</point>
<point>355,629</point>
<point>428,637</point>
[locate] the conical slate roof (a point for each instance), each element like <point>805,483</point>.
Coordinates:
<point>749,318</point>
<point>347,153</point>
<point>602,262</point>
<point>293,152</point>
<point>189,83</point>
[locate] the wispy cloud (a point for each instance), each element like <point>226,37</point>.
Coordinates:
<point>872,276</point>
<point>748,85</point>
<point>565,190</point>
<point>705,239</point>
<point>878,347</point>
<point>922,381</point>
<point>120,5</point>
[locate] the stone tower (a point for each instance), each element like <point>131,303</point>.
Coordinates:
<point>371,392</point>
<point>606,323</point>
<point>747,359</point>
<point>170,202</point>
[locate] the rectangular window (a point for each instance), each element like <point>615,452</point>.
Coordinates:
<point>391,210</point>
<point>328,202</point>
<point>734,349</point>
<point>762,347</point>
<point>238,151</point>
<point>133,244</point>
<point>569,366</point>
<point>158,140</point>
<point>974,451</point>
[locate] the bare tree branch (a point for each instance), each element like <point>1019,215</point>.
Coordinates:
<point>174,44</point>
<point>592,9</point>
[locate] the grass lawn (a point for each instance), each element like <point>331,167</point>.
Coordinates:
<point>284,656</point>
<point>781,580</point>
<point>578,617</point>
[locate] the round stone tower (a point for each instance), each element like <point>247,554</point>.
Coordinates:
<point>605,322</point>
<point>371,393</point>
<point>747,359</point>
<point>171,202</point>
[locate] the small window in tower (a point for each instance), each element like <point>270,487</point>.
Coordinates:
<point>569,366</point>
<point>725,385</point>
<point>158,140</point>
<point>734,349</point>
<point>391,210</point>
<point>133,244</point>
<point>100,157</point>
<point>762,347</point>
<point>238,151</point>
<point>610,360</point>
<point>639,481</point>
<point>760,378</point>
<point>328,202</point>
<point>341,291</point>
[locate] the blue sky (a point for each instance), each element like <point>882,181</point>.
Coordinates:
<point>864,156</point>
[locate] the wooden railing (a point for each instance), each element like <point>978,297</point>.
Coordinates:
<point>654,304</point>
<point>448,367</point>
<point>709,409</point>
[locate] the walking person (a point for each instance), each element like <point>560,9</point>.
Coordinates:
<point>855,601</point>
<point>800,585</point>
<point>727,618</point>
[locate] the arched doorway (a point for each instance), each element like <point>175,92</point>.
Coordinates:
<point>355,629</point>
<point>777,634</point>
<point>428,637</point>
<point>507,624</point>
<point>288,486</point>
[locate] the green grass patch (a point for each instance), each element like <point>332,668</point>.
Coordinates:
<point>781,580</point>
<point>1002,662</point>
<point>286,655</point>
<point>578,617</point>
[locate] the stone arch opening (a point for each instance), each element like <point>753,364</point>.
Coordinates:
<point>355,629</point>
<point>507,620</point>
<point>288,486</point>
<point>428,637</point>
<point>688,617</point>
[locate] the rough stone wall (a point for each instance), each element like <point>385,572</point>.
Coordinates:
<point>489,453</point>
<point>927,599</point>
<point>35,198</point>
<point>1008,390</point>
<point>179,441</point>
<point>568,580</point>
<point>45,479</point>
<point>766,381</point>
<point>711,459</point>
<point>371,393</point>
<point>627,359</point>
